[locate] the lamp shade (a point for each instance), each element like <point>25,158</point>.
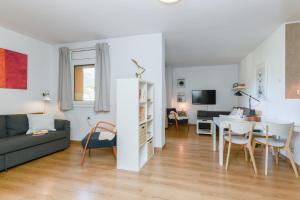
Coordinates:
<point>169,1</point>
<point>238,93</point>
<point>46,98</point>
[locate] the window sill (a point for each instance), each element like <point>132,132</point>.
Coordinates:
<point>85,104</point>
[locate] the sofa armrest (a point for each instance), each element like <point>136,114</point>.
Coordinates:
<point>62,125</point>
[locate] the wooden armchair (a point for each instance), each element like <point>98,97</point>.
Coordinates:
<point>91,141</point>
<point>174,119</point>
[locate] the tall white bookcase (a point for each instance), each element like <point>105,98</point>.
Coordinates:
<point>135,124</point>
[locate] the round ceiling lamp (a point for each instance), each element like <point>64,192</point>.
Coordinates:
<point>169,1</point>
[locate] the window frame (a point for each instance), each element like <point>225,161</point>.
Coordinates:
<point>76,62</point>
<point>74,67</point>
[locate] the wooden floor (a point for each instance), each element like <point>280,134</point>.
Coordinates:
<point>187,169</point>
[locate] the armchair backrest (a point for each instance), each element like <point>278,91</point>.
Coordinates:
<point>170,120</point>
<point>169,110</point>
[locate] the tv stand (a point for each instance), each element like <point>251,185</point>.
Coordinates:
<point>204,126</point>
<point>205,120</point>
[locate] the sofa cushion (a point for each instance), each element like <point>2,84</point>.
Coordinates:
<point>16,124</point>
<point>19,142</point>
<point>202,113</point>
<point>2,126</point>
<point>218,113</point>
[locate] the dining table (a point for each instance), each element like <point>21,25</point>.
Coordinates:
<point>221,123</point>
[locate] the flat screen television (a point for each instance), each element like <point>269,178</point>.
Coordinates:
<point>204,97</point>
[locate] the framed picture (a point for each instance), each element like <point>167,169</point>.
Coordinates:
<point>181,83</point>
<point>261,81</point>
<point>13,69</point>
<point>180,97</point>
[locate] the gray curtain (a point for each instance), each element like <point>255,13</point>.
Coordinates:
<point>65,99</point>
<point>102,78</point>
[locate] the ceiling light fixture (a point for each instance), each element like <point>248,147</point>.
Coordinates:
<point>169,1</point>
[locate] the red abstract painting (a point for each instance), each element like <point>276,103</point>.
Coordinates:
<point>13,69</point>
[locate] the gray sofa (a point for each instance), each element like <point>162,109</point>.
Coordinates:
<point>16,147</point>
<point>209,115</point>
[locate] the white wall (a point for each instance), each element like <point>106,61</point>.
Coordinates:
<point>14,101</point>
<point>148,51</point>
<point>219,78</point>
<point>272,53</point>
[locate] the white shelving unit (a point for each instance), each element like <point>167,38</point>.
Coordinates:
<point>135,124</point>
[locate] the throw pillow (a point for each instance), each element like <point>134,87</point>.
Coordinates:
<point>237,113</point>
<point>234,112</point>
<point>38,122</point>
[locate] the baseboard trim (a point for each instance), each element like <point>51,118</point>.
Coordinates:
<point>76,142</point>
<point>159,149</point>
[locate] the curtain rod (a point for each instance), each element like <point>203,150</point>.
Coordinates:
<point>83,49</point>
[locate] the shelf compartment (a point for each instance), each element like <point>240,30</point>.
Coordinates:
<point>142,134</point>
<point>150,148</point>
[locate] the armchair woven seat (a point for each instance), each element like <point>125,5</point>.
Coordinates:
<point>96,143</point>
<point>92,141</point>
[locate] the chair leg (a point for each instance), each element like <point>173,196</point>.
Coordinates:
<point>246,153</point>
<point>276,155</point>
<point>83,156</point>
<point>290,156</point>
<point>86,145</point>
<point>228,156</point>
<point>253,146</point>
<point>177,126</point>
<point>177,129</point>
<point>266,161</point>
<point>252,159</point>
<point>115,151</point>
<point>273,151</point>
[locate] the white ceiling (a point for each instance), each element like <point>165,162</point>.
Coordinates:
<point>197,32</point>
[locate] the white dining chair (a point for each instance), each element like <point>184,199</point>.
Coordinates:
<point>279,137</point>
<point>240,133</point>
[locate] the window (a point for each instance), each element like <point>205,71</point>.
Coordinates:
<point>84,82</point>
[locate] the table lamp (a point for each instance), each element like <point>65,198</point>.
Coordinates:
<point>241,93</point>
<point>46,98</point>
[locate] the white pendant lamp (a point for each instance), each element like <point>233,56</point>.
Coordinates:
<point>169,1</point>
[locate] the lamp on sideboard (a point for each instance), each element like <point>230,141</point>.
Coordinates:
<point>241,93</point>
<point>46,98</point>
<point>181,106</point>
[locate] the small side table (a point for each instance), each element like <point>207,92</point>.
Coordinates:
<point>208,126</point>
